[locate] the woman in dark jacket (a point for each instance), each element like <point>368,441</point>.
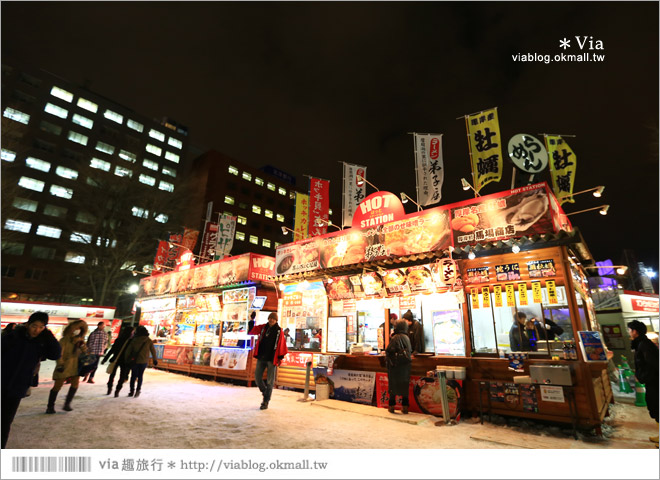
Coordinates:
<point>115,353</point>
<point>22,350</point>
<point>398,355</point>
<point>137,356</point>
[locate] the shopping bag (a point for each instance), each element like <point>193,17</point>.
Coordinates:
<point>86,363</point>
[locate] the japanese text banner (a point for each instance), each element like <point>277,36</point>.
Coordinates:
<point>354,191</point>
<point>319,205</point>
<point>226,231</point>
<point>209,242</point>
<point>563,164</point>
<point>485,147</point>
<point>429,168</point>
<point>301,225</point>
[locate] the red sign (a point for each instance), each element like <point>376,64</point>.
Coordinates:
<point>209,241</point>
<point>645,305</point>
<point>435,148</point>
<point>114,329</point>
<point>377,209</point>
<point>297,359</point>
<point>319,204</point>
<point>261,267</point>
<point>161,255</point>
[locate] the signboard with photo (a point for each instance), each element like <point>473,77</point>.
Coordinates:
<point>541,268</point>
<point>507,272</point>
<point>353,386</point>
<point>477,275</point>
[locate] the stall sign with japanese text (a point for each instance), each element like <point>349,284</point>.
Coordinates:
<point>563,164</point>
<point>429,168</point>
<point>485,147</point>
<point>354,191</point>
<point>507,272</point>
<point>541,268</point>
<point>319,204</point>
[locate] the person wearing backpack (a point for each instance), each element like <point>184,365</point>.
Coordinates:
<point>137,356</point>
<point>399,360</point>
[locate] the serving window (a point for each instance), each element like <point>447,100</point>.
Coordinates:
<point>304,308</point>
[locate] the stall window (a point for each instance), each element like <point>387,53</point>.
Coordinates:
<point>304,311</point>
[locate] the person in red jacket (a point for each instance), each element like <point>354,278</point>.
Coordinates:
<point>269,352</point>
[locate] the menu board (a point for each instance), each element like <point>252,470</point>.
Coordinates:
<point>419,278</point>
<point>371,283</point>
<point>592,346</point>
<point>396,281</point>
<point>448,332</point>
<point>507,272</point>
<point>541,268</point>
<point>477,275</point>
<point>337,327</point>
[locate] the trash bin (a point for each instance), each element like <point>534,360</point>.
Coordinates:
<point>322,391</point>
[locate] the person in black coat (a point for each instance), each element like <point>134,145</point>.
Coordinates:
<point>399,360</point>
<point>518,339</point>
<point>115,353</point>
<point>22,350</point>
<point>415,333</point>
<point>646,366</point>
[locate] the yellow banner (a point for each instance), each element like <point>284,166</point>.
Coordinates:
<point>485,147</point>
<point>301,226</point>
<point>485,293</point>
<point>475,297</point>
<point>510,295</point>
<point>522,293</point>
<point>552,291</point>
<point>563,163</point>
<point>536,292</point>
<point>497,295</point>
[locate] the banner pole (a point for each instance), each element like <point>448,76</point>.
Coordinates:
<point>467,129</point>
<point>416,174</point>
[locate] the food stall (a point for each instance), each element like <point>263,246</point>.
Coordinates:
<point>198,317</point>
<point>455,268</point>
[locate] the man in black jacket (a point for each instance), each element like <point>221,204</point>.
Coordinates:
<point>22,350</point>
<point>646,366</point>
<point>415,333</point>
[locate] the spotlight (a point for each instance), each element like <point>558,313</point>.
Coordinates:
<point>466,185</point>
<point>471,255</point>
<point>603,211</point>
<point>599,191</point>
<point>404,198</point>
<point>285,231</point>
<point>515,248</point>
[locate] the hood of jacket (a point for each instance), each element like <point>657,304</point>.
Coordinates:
<point>401,326</point>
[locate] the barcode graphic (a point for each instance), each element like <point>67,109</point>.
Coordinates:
<point>51,464</point>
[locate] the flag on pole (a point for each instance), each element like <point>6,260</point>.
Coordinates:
<point>225,237</point>
<point>485,147</point>
<point>161,256</point>
<point>319,206</point>
<point>209,242</point>
<point>354,191</point>
<point>429,168</point>
<point>301,223</point>
<point>563,164</point>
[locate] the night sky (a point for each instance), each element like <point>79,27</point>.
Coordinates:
<point>304,86</point>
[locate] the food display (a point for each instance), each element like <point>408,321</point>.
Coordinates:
<point>371,283</point>
<point>465,224</point>
<point>339,288</point>
<point>428,395</point>
<point>427,233</point>
<point>419,278</point>
<point>344,250</point>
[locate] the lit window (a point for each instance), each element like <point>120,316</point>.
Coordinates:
<point>128,156</point>
<point>55,211</point>
<point>154,149</point>
<point>172,157</point>
<point>105,148</point>
<point>229,200</point>
<point>55,110</point>
<point>151,165</point>
<point>254,239</point>
<point>82,121</point>
<point>242,220</point>
<point>18,226</point>
<point>16,115</point>
<point>87,105</point>
<point>281,191</point>
<point>61,192</point>
<point>277,244</point>
<point>268,213</point>
<point>161,218</point>
<point>50,127</point>
<point>256,209</point>
<point>140,212</point>
<point>146,179</point>
<point>233,170</point>
<point>85,217</point>
<point>8,155</point>
<point>66,173</point>
<point>247,176</point>
<point>169,171</point>
<point>47,231</point>
<point>100,164</point>
<point>175,143</point>
<point>37,164</point>
<point>25,204</point>
<point>137,126</point>
<point>157,135</point>
<point>280,217</point>
<point>240,236</point>
<point>79,237</point>
<point>259,181</point>
<point>270,186</point>
<point>105,242</point>
<point>72,257</point>
<point>31,184</point>
<point>228,214</point>
<point>77,137</point>
<point>61,94</point>
<point>265,243</point>
<point>114,116</point>
<point>123,172</point>
<point>168,187</point>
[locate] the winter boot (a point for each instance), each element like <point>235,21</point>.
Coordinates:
<point>69,396</point>
<point>52,396</point>
<point>130,394</point>
<point>264,404</point>
<point>109,389</point>
<point>137,394</point>
<point>117,391</point>
<point>390,409</point>
<point>404,409</point>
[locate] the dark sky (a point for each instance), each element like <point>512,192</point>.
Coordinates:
<point>303,86</point>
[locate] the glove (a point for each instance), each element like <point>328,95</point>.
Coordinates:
<point>155,363</point>
<point>547,327</point>
<point>103,361</point>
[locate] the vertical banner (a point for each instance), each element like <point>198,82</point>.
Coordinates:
<point>189,239</point>
<point>161,256</point>
<point>510,295</point>
<point>537,295</point>
<point>563,163</point>
<point>552,291</point>
<point>485,293</point>
<point>319,206</point>
<point>301,225</point>
<point>485,147</point>
<point>522,293</point>
<point>354,191</point>
<point>497,295</point>
<point>429,168</point>
<point>209,242</point>
<point>475,297</point>
<point>226,232</point>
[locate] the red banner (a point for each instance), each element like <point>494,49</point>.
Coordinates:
<point>319,204</point>
<point>161,255</point>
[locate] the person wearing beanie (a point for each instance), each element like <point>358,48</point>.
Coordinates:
<point>646,367</point>
<point>73,344</point>
<point>415,333</point>
<point>22,350</point>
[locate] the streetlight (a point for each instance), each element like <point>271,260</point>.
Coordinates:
<point>466,186</point>
<point>405,198</point>
<point>322,223</point>
<point>361,178</point>
<point>598,192</point>
<point>286,230</point>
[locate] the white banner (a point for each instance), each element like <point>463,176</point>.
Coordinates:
<point>354,191</point>
<point>226,232</point>
<point>429,168</point>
